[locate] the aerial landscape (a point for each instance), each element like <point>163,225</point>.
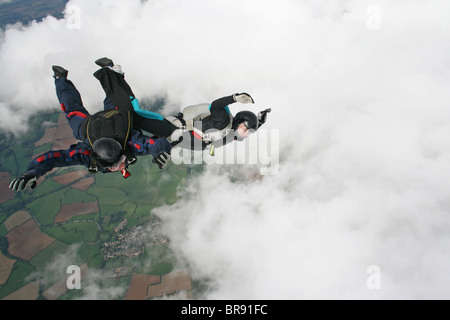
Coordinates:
<point>324,175</point>
<point>108,228</point>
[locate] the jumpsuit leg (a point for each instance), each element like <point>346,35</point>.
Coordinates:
<point>71,105</point>
<point>160,128</point>
<point>118,96</point>
<point>116,88</point>
<point>108,104</point>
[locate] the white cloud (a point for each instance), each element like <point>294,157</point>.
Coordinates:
<point>364,125</point>
<point>95,284</point>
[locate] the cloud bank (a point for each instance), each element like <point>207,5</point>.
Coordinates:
<point>359,93</point>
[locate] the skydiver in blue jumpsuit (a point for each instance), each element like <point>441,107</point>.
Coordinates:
<point>105,154</point>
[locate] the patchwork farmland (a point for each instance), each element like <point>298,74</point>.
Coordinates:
<point>102,223</point>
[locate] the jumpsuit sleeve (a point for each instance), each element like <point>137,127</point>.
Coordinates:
<point>78,154</point>
<point>220,112</point>
<point>219,108</point>
<point>142,145</point>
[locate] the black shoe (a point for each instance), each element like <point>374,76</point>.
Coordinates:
<point>59,72</point>
<point>104,62</point>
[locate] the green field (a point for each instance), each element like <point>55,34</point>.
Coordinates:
<point>25,11</point>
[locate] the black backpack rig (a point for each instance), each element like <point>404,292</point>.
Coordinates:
<point>115,124</point>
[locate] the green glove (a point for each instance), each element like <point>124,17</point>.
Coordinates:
<point>243,98</point>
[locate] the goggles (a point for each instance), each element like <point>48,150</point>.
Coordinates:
<point>115,166</point>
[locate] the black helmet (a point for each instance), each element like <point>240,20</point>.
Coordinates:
<point>107,152</point>
<point>246,117</point>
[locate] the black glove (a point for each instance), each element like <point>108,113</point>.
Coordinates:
<point>161,159</point>
<point>21,183</point>
<point>262,116</point>
<point>131,161</point>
